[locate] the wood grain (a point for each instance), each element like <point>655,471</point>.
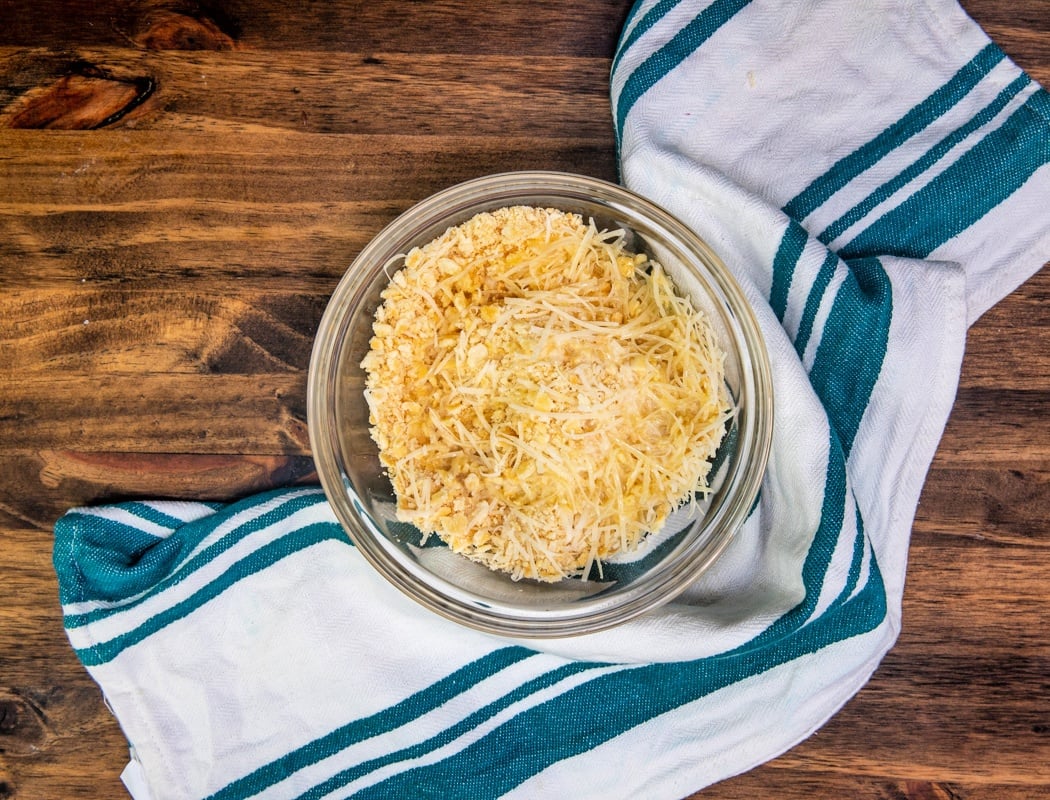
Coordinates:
<point>183,182</point>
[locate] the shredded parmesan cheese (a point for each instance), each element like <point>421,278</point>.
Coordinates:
<point>541,398</point>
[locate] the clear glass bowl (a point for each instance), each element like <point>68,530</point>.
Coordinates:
<point>450,584</point>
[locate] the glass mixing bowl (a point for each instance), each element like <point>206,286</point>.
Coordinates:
<point>451,585</point>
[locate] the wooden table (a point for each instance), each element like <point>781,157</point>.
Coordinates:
<point>163,273</point>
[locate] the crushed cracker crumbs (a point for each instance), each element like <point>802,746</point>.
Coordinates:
<point>541,398</point>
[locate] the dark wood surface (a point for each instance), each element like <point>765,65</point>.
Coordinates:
<point>182,184</point>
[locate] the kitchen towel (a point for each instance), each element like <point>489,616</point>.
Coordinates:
<point>876,175</point>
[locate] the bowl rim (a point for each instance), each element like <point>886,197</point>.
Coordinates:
<point>434,592</point>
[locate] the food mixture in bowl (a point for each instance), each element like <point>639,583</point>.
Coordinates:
<point>542,398</point>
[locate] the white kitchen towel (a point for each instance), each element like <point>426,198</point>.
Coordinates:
<point>876,175</point>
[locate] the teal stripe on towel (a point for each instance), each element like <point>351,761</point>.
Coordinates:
<point>859,546</point>
<point>853,346</point>
<point>97,558</point>
<point>792,244</point>
<point>151,514</point>
<point>813,300</point>
<point>821,550</point>
<point>651,17</point>
<point>450,734</point>
<point>402,713</point>
<point>266,556</point>
<point>680,46</point>
<point>977,182</point>
<point>157,568</point>
<point>931,157</point>
<point>920,117</point>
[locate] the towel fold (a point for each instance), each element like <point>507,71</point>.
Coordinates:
<point>876,175</point>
